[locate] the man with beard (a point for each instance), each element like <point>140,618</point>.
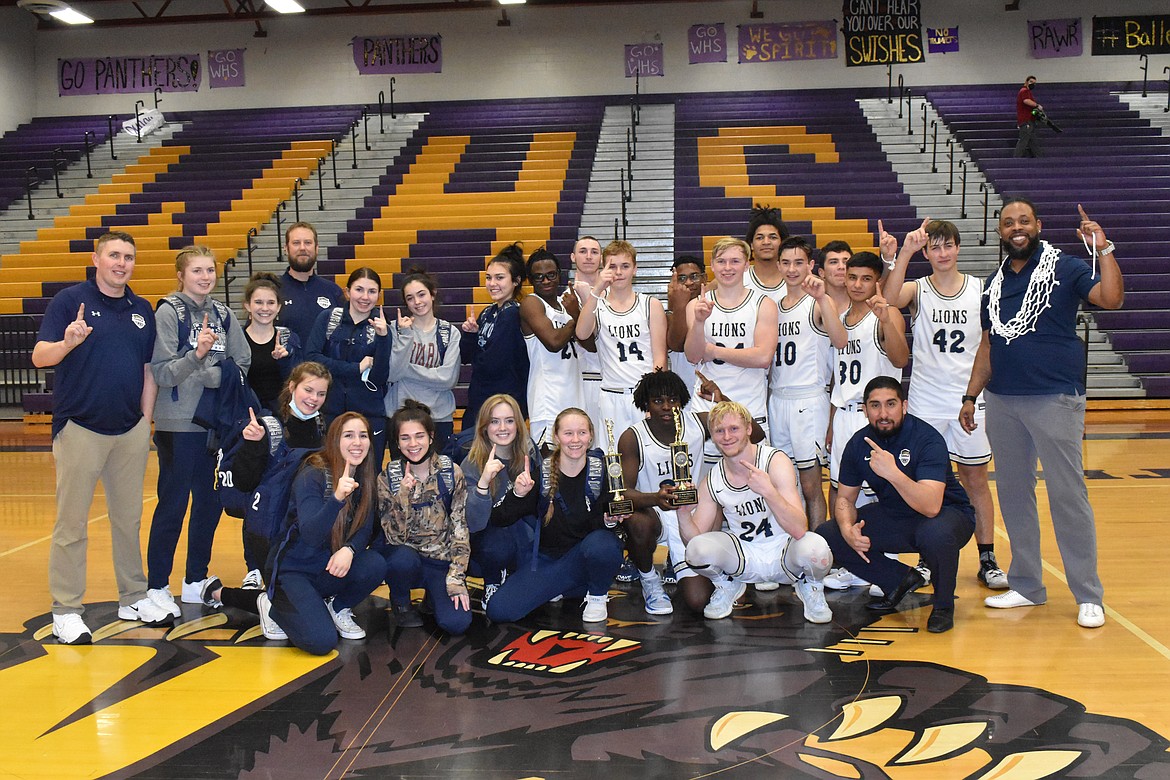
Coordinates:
<point>1027,144</point>
<point>303,292</point>
<point>920,505</point>
<point>1030,367</point>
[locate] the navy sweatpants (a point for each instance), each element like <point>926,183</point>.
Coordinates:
<point>186,471</point>
<point>298,600</point>
<point>406,569</point>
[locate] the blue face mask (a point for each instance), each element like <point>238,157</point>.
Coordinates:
<point>297,413</point>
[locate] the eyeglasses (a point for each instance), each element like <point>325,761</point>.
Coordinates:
<point>550,275</point>
<point>696,277</point>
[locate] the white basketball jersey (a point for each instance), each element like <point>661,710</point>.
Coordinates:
<point>745,511</point>
<point>623,343</point>
<point>655,455</point>
<point>947,332</point>
<point>735,329</point>
<point>860,360</point>
<point>684,368</point>
<point>752,282</point>
<point>800,363</point>
<point>554,378</point>
<point>587,361</point>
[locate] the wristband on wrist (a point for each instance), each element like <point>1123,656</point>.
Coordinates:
<point>970,398</point>
<point>1107,249</point>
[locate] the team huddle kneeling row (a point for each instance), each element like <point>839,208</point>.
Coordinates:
<point>527,505</point>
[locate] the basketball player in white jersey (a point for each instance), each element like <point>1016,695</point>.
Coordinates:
<point>629,331</point>
<point>876,346</point>
<point>798,404</point>
<point>549,324</point>
<point>833,269</point>
<point>688,274</point>
<point>944,311</point>
<point>766,231</point>
<point>586,258</point>
<point>731,332</point>
<point>753,488</point>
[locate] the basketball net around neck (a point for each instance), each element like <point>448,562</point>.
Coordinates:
<point>1037,298</point>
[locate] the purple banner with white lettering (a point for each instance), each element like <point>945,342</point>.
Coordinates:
<point>1055,38</point>
<point>225,68</point>
<point>944,40</point>
<point>398,54</point>
<point>644,59</point>
<point>128,75</point>
<point>707,43</point>
<point>788,41</point>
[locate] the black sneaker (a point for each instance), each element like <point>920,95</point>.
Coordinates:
<point>628,572</point>
<point>407,616</point>
<point>992,576</point>
<point>668,575</point>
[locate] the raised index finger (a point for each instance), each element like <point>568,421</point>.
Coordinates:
<point>870,442</point>
<point>205,320</point>
<point>81,313</point>
<point>252,414</point>
<point>526,464</point>
<point>1081,211</point>
<point>881,229</point>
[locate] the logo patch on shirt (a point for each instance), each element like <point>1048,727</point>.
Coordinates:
<point>324,302</point>
<point>904,457</point>
<point>138,320</point>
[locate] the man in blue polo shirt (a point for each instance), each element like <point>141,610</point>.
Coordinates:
<point>303,293</point>
<point>99,335</point>
<point>1030,367</point>
<point>920,505</point>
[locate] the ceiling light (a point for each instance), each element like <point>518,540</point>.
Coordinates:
<point>285,6</point>
<point>512,2</point>
<point>70,16</point>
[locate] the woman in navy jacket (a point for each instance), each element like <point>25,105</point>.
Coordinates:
<point>353,342</point>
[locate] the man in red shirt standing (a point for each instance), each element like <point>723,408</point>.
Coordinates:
<point>1027,145</point>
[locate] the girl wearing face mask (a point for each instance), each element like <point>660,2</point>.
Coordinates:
<point>275,349</point>
<point>353,342</point>
<point>322,566</point>
<point>493,343</point>
<point>501,470</point>
<point>424,360</point>
<point>421,500</point>
<point>250,461</point>
<point>579,553</point>
<point>194,334</point>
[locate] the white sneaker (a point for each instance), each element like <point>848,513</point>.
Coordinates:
<point>812,593</point>
<point>1009,600</point>
<point>1090,615</point>
<point>875,592</point>
<point>657,602</point>
<point>193,593</point>
<point>993,577</point>
<point>163,599</point>
<point>70,629</point>
<point>253,580</point>
<point>268,626</point>
<point>843,579</point>
<point>347,627</point>
<point>145,610</point>
<point>763,587</point>
<point>722,601</point>
<point>595,609</point>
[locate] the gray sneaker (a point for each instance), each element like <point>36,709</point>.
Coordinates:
<point>812,594</point>
<point>722,601</point>
<point>657,602</point>
<point>347,627</point>
<point>268,626</point>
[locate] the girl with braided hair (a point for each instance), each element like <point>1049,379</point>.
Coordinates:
<point>578,552</point>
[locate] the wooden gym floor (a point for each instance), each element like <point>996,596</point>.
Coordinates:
<point>1022,693</point>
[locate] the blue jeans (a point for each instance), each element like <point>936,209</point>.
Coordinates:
<point>587,568</point>
<point>496,549</point>
<point>406,569</point>
<point>186,470</point>
<point>298,600</point>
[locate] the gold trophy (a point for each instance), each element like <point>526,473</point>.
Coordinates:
<point>685,493</point>
<point>617,482</point>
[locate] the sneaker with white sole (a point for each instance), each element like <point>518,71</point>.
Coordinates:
<point>657,602</point>
<point>669,577</point>
<point>595,609</point>
<point>812,595</point>
<point>347,627</point>
<point>268,626</point>
<point>253,580</point>
<point>993,577</point>
<point>924,570</point>
<point>163,599</point>
<point>488,592</point>
<point>842,579</point>
<point>193,593</point>
<point>876,592</point>
<point>1090,615</point>
<point>70,629</point>
<point>628,572</point>
<point>145,610</point>
<point>1009,600</point>
<point>722,601</point>
<point>767,586</point>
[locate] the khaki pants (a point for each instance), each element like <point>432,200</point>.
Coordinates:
<point>83,457</point>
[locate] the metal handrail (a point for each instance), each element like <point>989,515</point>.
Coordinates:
<point>923,149</point>
<point>366,125</point>
<point>901,88</point>
<point>138,120</point>
<point>934,146</point>
<point>30,178</point>
<point>353,142</point>
<point>1145,71</point>
<point>110,124</point>
<point>890,84</point>
<point>986,197</point>
<point>320,184</point>
<point>157,97</point>
<point>963,199</point>
<point>381,108</point>
<point>951,157</point>
<point>88,148</point>
<point>58,155</point>
<point>393,115</point>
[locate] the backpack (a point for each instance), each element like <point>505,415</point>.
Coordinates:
<point>221,409</point>
<point>267,512</point>
<point>396,470</point>
<point>459,445</point>
<point>234,500</point>
<point>594,473</point>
